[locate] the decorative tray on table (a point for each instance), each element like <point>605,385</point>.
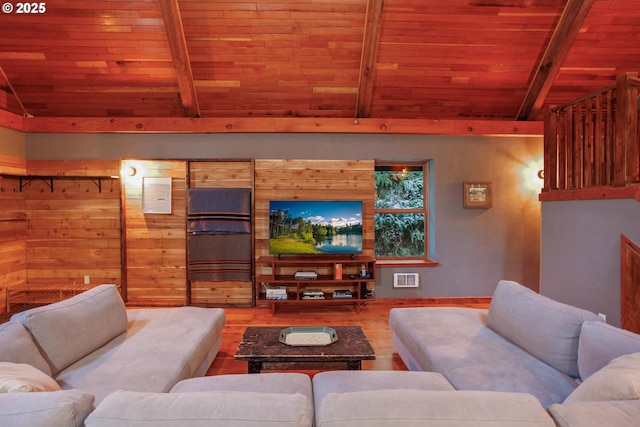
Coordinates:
<point>308,336</point>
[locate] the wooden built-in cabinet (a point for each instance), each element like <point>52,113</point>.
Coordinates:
<point>333,273</point>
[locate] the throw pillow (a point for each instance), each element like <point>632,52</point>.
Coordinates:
<point>20,377</point>
<point>619,380</point>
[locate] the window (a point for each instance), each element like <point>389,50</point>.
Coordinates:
<point>400,211</point>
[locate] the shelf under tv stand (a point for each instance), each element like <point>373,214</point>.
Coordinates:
<point>282,271</point>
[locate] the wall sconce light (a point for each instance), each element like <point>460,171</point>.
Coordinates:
<point>531,172</point>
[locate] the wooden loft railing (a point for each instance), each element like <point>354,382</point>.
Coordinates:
<point>592,145</point>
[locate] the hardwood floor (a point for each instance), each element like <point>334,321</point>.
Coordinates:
<point>373,318</point>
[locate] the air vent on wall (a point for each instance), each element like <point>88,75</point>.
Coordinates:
<point>405,280</point>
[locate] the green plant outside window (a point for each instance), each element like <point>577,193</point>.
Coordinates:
<point>400,211</point>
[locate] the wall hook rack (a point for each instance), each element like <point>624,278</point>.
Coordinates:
<point>26,180</point>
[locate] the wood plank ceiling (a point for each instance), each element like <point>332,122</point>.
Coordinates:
<point>168,60</point>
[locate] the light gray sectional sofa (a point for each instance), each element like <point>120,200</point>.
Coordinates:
<point>92,346</point>
<point>526,361</point>
<point>524,343</point>
<point>566,357</point>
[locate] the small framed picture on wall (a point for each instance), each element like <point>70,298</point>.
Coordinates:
<point>477,195</point>
<point>156,195</point>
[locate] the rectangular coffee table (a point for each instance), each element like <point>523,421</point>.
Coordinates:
<point>262,349</point>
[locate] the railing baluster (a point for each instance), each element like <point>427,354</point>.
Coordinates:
<point>594,141</point>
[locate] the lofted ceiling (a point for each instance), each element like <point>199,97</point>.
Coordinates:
<point>181,62</point>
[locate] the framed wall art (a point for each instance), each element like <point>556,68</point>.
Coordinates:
<point>156,195</point>
<point>477,195</point>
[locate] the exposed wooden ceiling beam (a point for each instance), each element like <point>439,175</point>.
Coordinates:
<point>573,15</point>
<point>271,125</point>
<point>180,54</point>
<point>13,92</point>
<point>369,52</point>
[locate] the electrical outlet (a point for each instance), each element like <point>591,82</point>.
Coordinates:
<point>87,279</point>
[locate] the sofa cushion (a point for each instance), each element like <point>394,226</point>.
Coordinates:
<point>206,408</point>
<point>619,380</point>
<point>272,382</point>
<point>20,377</point>
<point>614,413</point>
<point>328,382</point>
<point>600,343</point>
<point>456,342</point>
<point>160,347</point>
<point>408,408</point>
<point>18,347</point>
<point>541,326</point>
<point>66,408</point>
<point>68,330</point>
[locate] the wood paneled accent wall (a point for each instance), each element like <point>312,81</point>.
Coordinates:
<point>60,221</point>
<point>73,231</point>
<point>12,165</point>
<point>66,219</point>
<point>307,180</point>
<point>13,233</point>
<point>155,244</point>
<point>73,216</point>
<point>221,174</point>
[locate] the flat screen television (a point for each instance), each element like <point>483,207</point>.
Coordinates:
<point>331,227</point>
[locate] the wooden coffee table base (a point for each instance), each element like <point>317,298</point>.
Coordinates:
<point>351,365</point>
<point>261,348</point>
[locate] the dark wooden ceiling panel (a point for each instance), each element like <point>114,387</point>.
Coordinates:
<point>423,59</point>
